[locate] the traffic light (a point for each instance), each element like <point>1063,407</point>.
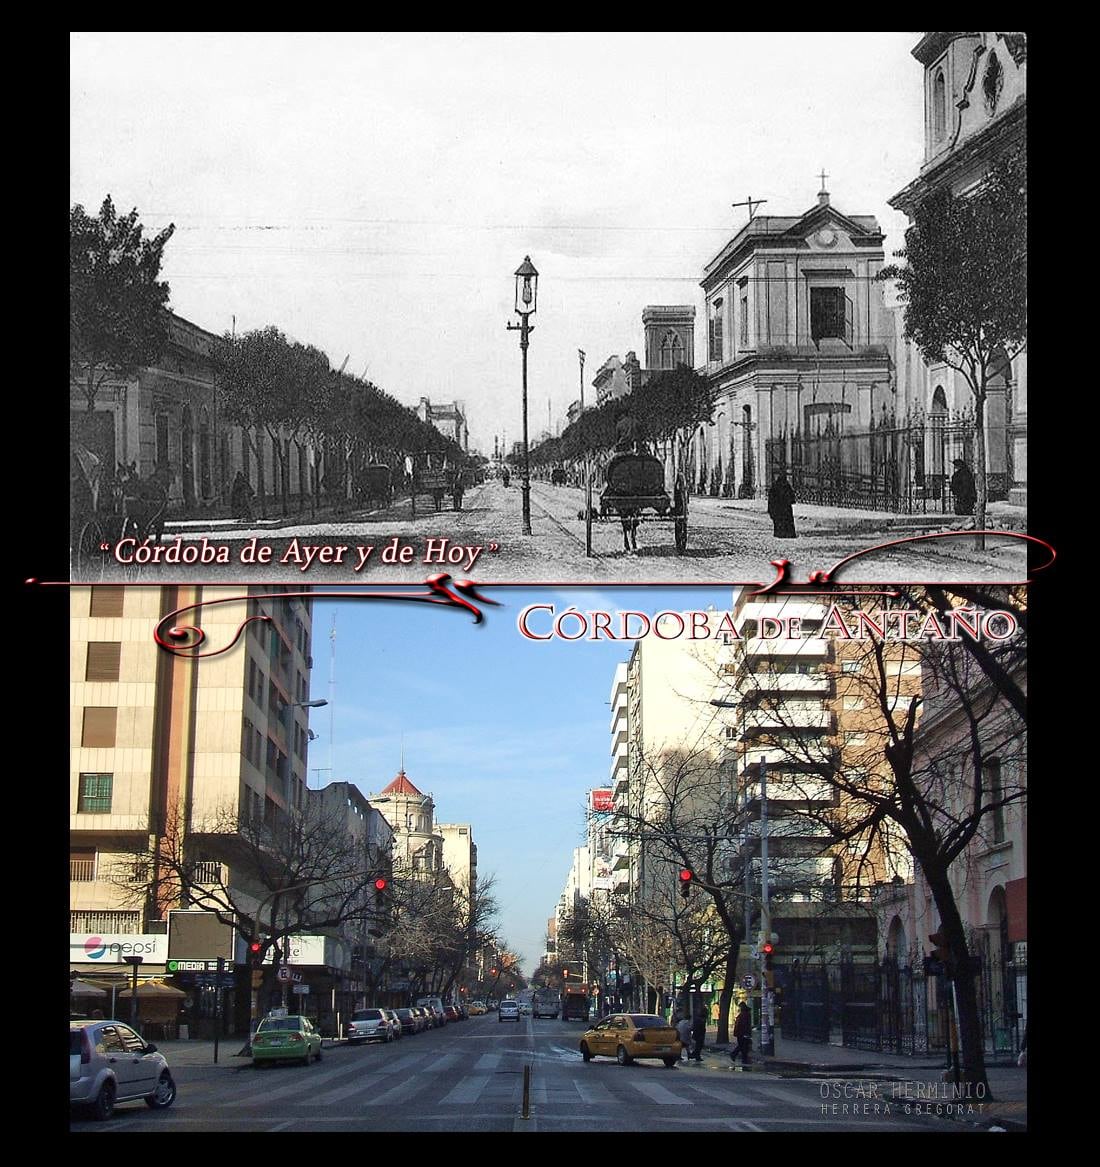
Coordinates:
<point>565,972</point>
<point>687,877</point>
<point>381,884</point>
<point>256,951</point>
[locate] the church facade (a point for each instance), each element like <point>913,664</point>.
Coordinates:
<point>798,342</point>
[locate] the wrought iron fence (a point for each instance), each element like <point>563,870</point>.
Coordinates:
<point>896,464</point>
<point>895,1007</point>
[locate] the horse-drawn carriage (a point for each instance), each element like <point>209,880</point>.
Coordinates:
<point>635,493</point>
<point>105,507</point>
<point>374,485</point>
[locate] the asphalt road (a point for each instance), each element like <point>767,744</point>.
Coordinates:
<point>468,1077</point>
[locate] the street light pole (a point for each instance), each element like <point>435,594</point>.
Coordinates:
<point>767,994</point>
<point>526,292</point>
<point>134,962</point>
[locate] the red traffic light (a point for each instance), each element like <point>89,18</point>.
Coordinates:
<point>380,884</point>
<point>767,948</point>
<point>686,875</point>
<point>255,947</point>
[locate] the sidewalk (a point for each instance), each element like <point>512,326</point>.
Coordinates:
<point>201,1052</point>
<point>823,520</point>
<point>919,1079</point>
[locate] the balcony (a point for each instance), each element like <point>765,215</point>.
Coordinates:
<point>817,683</point>
<point>622,782</point>
<point>620,881</point>
<point>81,870</point>
<point>811,648</point>
<point>792,716</point>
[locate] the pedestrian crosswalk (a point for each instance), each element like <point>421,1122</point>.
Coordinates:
<point>494,1079</point>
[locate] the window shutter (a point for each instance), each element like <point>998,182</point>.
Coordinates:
<point>99,726</point>
<point>103,661</point>
<point>106,601</point>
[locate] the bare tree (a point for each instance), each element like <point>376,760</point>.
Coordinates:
<point>910,771</point>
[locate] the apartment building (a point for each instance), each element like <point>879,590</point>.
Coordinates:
<point>174,751</point>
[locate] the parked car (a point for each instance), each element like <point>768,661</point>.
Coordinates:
<point>394,1021</point>
<point>451,1013</point>
<point>629,1036</point>
<point>436,1006</point>
<point>110,1063</point>
<point>508,1011</point>
<point>368,1025</point>
<point>283,1039</point>
<point>410,1023</point>
<point>423,1017</point>
<point>477,1008</point>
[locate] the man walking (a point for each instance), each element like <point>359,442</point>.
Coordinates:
<point>698,1035</point>
<point>683,1032</point>
<point>742,1032</point>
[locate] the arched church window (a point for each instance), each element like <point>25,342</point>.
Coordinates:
<point>939,105</point>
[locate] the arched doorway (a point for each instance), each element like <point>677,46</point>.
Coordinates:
<point>998,977</point>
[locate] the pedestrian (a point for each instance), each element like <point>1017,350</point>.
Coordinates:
<point>781,507</point>
<point>683,1032</point>
<point>742,1031</point>
<point>506,478</point>
<point>698,1035</point>
<point>240,496</point>
<point>963,489</point>
<point>1022,1059</point>
<point>458,488</point>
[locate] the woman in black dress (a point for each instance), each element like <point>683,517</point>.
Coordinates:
<point>781,507</point>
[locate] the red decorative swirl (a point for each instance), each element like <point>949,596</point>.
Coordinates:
<point>168,638</point>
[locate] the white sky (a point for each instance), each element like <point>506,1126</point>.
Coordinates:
<point>373,193</point>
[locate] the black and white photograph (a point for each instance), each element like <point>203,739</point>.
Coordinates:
<point>543,307</point>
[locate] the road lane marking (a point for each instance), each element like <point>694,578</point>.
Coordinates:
<point>468,1090</point>
<point>657,1093</point>
<point>488,1062</point>
<point>594,1093</point>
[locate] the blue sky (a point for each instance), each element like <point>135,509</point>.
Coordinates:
<point>505,733</point>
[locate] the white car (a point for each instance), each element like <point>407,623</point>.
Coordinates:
<point>109,1062</point>
<point>368,1025</point>
<point>509,1011</point>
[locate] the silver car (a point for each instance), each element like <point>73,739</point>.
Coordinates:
<point>509,1011</point>
<point>109,1062</point>
<point>369,1025</point>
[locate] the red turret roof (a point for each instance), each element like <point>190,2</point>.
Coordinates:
<point>402,785</point>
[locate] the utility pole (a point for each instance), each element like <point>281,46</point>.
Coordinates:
<point>587,476</point>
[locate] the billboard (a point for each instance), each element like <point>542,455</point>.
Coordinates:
<point>600,801</point>
<point>199,936</point>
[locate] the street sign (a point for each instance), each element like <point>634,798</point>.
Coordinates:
<point>748,981</point>
<point>174,966</point>
<point>299,988</point>
<point>282,973</point>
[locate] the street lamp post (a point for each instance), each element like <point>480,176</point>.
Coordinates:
<point>527,281</point>
<point>134,962</point>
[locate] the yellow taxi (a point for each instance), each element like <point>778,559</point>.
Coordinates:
<point>476,1009</point>
<point>629,1036</point>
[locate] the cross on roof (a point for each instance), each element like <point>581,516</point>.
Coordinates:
<point>823,177</point>
<point>751,203</point>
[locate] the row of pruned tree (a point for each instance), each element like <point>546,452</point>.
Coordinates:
<point>270,385</point>
<point>666,408</point>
